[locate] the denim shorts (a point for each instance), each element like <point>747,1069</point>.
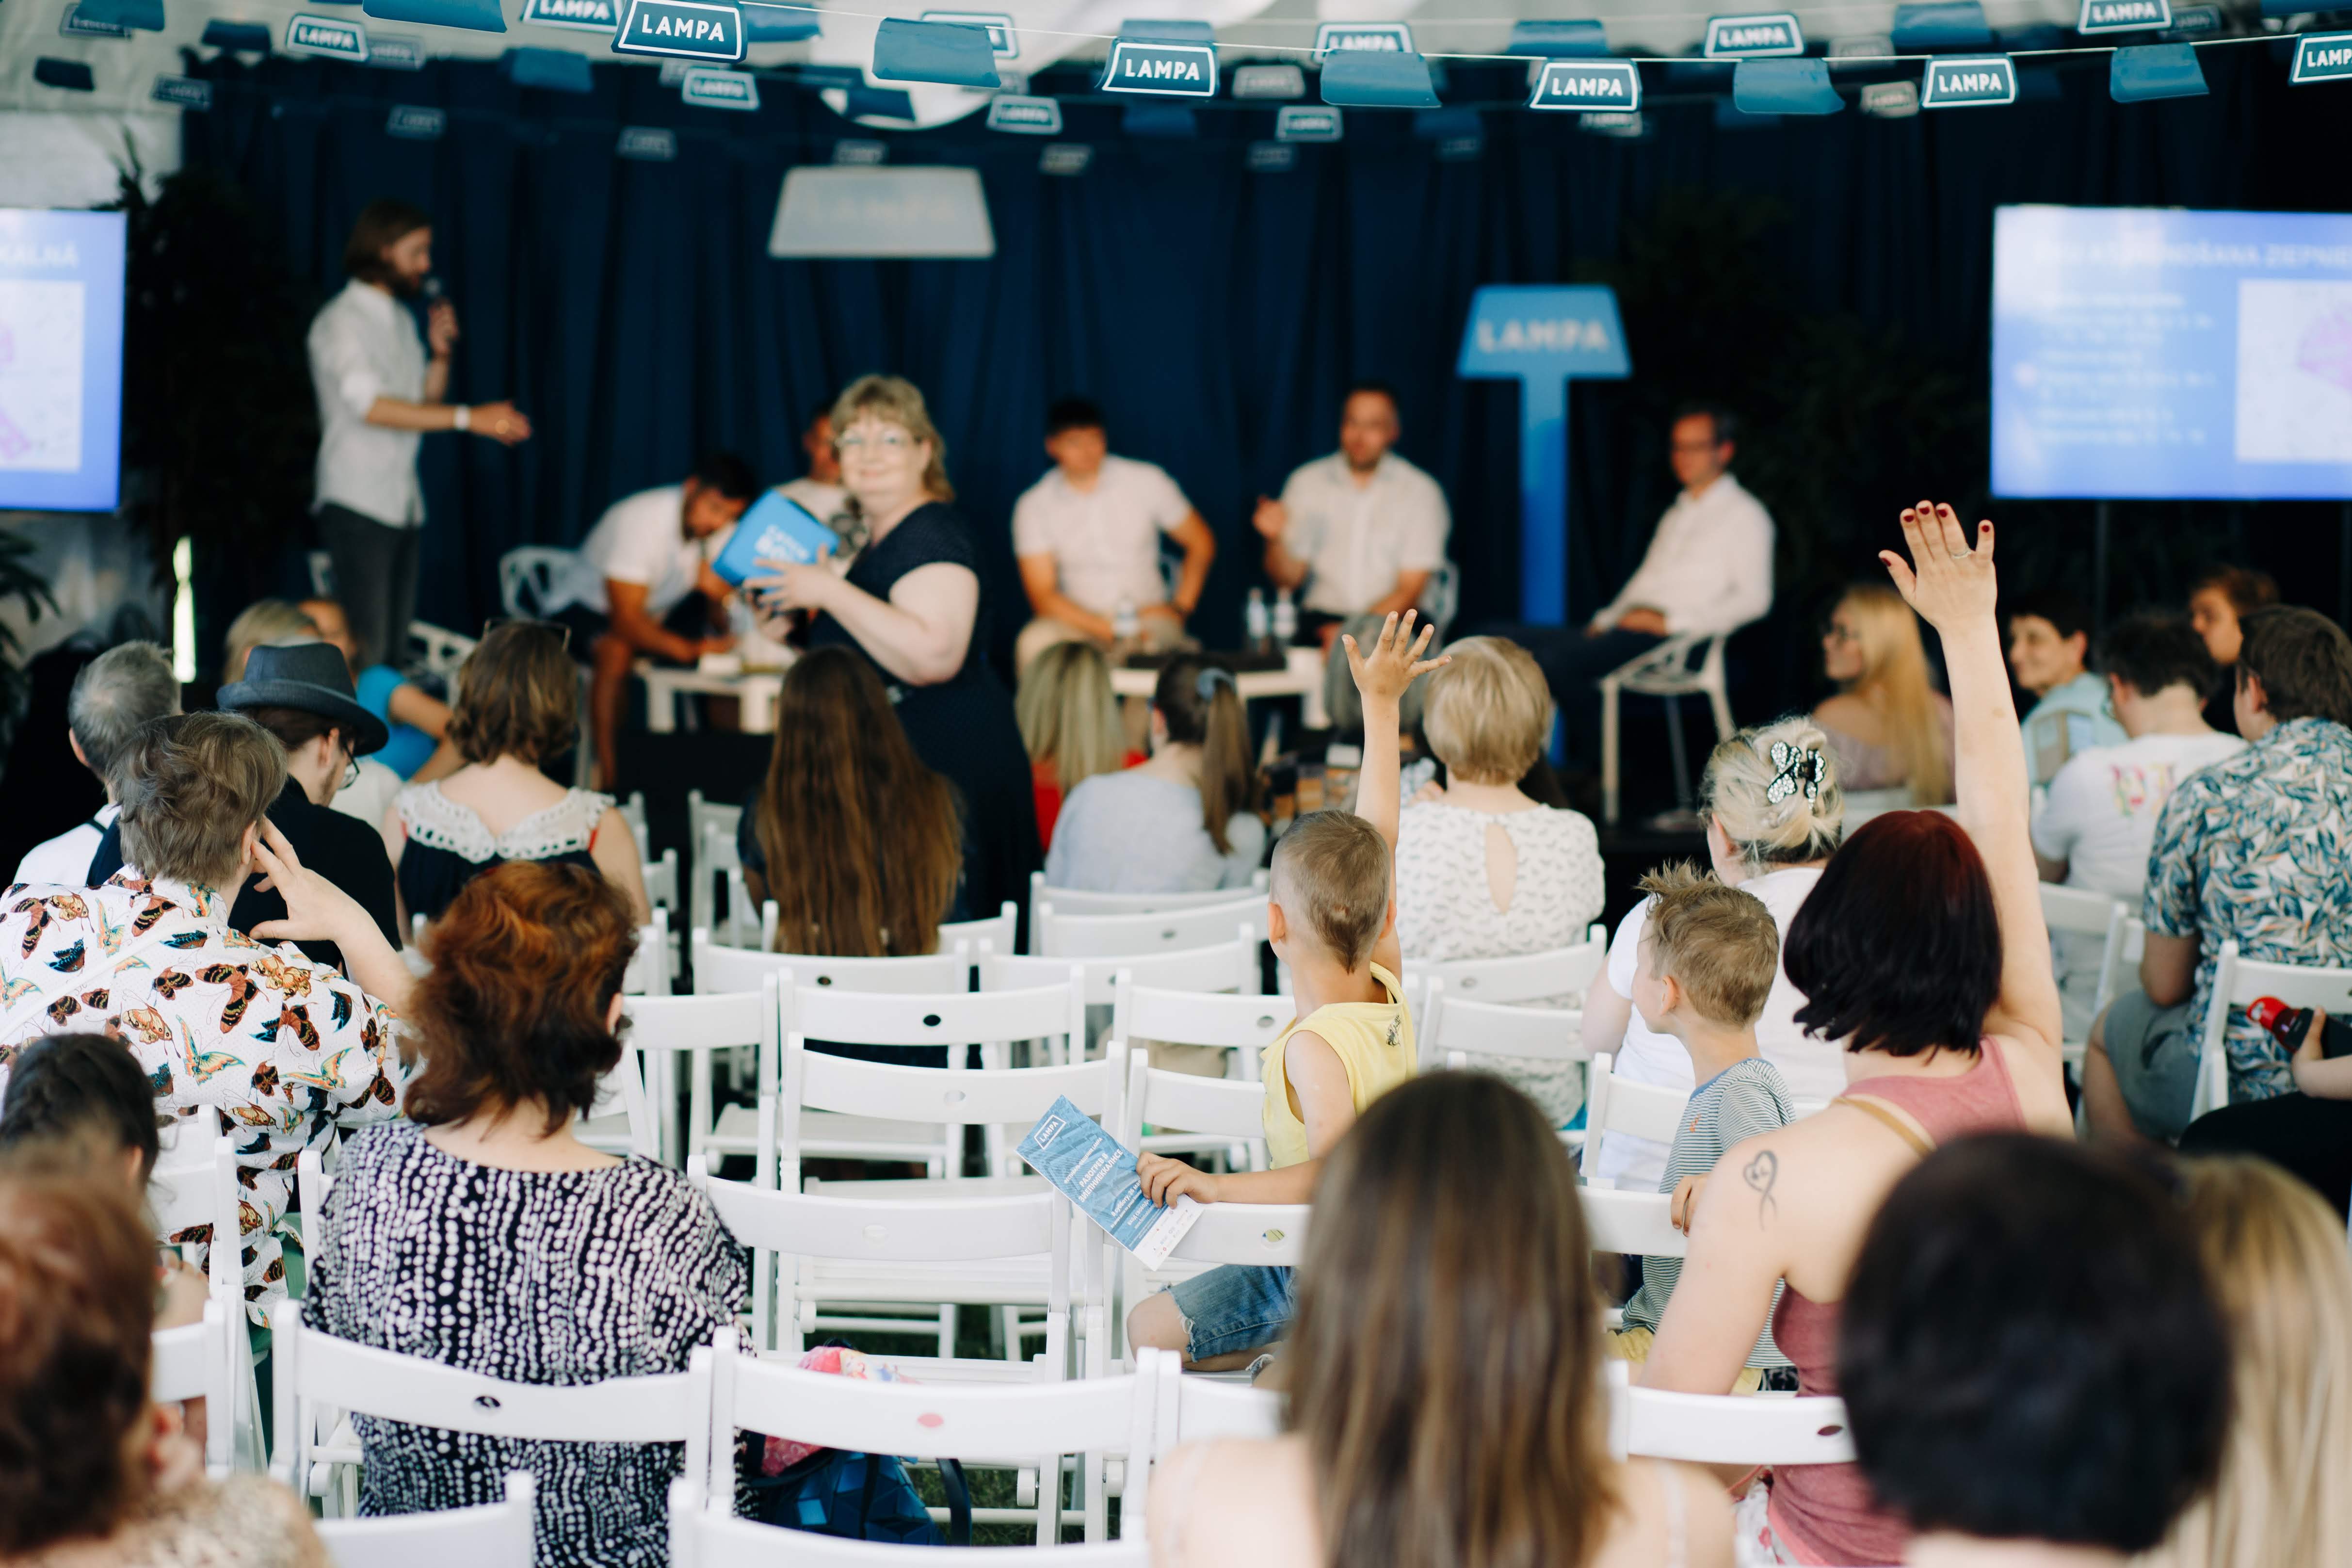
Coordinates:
<point>2154,1051</point>
<point>1233,1307</point>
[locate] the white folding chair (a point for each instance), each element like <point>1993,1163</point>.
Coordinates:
<point>1225,967</point>
<point>2081,913</point>
<point>493,1535</point>
<point>633,812</point>
<point>1244,1024</point>
<point>313,1373</point>
<point>711,832</point>
<point>1189,1410</point>
<point>1668,671</point>
<point>963,1251</point>
<point>527,578</point>
<point>1637,1224</point>
<point>1523,977</point>
<point>1617,1104</point>
<point>999,1426</point>
<point>1052,934</point>
<point>701,1537</point>
<point>436,649</point>
<point>1724,1429</point>
<point>660,1030</point>
<point>649,974</point>
<point>191,1361</point>
<point>1456,1030</point>
<point>661,881</point>
<point>1000,930</point>
<point>1079,901</point>
<point>194,1185</point>
<point>2238,981</point>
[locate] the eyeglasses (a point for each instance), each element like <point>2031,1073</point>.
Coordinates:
<point>888,440</point>
<point>1836,633</point>
<point>561,630</point>
<point>350,770</point>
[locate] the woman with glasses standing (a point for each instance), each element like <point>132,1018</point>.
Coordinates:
<point>517,707</point>
<point>912,602</point>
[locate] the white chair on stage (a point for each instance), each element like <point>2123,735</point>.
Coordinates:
<point>436,650</point>
<point>492,1535</point>
<point>2238,981</point>
<point>1688,664</point>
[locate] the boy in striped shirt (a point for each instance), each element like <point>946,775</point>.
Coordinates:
<point>1708,957</point>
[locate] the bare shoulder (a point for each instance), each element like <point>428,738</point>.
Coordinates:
<point>1236,1500</point>
<point>1652,1494</point>
<point>1842,711</point>
<point>2036,1070</point>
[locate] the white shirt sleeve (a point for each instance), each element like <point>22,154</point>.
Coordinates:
<point>1426,526</point>
<point>340,363</point>
<point>1742,547</point>
<point>641,548</point>
<point>1625,949</point>
<point>1029,530</point>
<point>2059,825</point>
<point>1166,498</point>
<point>1297,538</point>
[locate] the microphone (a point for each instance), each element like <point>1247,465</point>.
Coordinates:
<point>431,288</point>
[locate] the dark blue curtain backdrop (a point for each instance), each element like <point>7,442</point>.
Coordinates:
<point>1833,274</point>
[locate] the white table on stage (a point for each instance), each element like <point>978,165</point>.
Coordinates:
<point>1302,677</point>
<point>717,675</point>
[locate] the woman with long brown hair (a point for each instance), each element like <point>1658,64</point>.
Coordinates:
<point>1888,727</point>
<point>1447,1402</point>
<point>857,842</point>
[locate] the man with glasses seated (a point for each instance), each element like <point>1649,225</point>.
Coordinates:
<point>302,694</point>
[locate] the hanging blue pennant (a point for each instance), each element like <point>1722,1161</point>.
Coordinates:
<point>824,77</point>
<point>878,103</point>
<point>944,52</point>
<point>66,75</point>
<point>1160,121</point>
<point>327,38</point>
<point>415,122</point>
<point>473,16</point>
<point>2322,57</point>
<point>184,91</point>
<point>576,15</point>
<point>766,23</point>
<point>709,88</point>
<point>147,16</point>
<point>1306,122</point>
<point>1965,81</point>
<point>1784,87</point>
<point>1149,30</point>
<point>1364,79</point>
<point>2146,71</point>
<point>1558,40</point>
<point>1447,124</point>
<point>552,70</point>
<point>1269,81</point>
<point>1937,25</point>
<point>396,51</point>
<point>72,24</point>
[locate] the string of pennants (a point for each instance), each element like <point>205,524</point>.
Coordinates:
<point>1370,64</point>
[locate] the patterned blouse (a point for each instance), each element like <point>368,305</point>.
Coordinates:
<point>285,1050</point>
<point>562,1277</point>
<point>2255,848</point>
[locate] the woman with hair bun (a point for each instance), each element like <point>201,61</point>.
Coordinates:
<point>480,1233</point>
<point>1774,814</point>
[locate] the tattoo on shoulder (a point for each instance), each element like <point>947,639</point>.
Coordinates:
<point>1761,1172</point>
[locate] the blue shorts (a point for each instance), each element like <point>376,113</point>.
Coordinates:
<point>1233,1307</point>
<point>2154,1051</point>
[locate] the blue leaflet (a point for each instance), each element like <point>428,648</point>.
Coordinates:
<point>1096,1172</point>
<point>775,529</point>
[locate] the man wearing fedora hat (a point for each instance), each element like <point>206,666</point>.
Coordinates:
<point>301,693</point>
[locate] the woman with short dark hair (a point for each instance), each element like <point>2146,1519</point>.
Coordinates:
<point>1923,948</point>
<point>482,1233</point>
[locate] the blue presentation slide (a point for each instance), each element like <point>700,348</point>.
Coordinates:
<point>2149,352</point>
<point>60,359</point>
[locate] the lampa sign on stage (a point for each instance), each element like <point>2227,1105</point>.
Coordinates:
<point>720,89</point>
<point>1753,38</point>
<point>326,38</point>
<point>1025,116</point>
<point>1385,37</point>
<point>2322,57</point>
<point>1609,86</point>
<point>580,16</point>
<point>687,27</point>
<point>1186,70</point>
<point>2124,15</point>
<point>1966,82</point>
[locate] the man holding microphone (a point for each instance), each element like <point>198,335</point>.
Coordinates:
<point>379,392</point>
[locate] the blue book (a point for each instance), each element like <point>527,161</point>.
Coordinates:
<point>776,528</point>
<point>1096,1172</point>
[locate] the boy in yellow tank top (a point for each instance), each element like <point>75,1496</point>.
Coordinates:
<point>1331,917</point>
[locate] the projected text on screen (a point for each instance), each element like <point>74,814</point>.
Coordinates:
<point>2151,352</point>
<point>60,359</point>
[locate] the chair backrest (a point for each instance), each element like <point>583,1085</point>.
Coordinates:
<point>1726,1428</point>
<point>1272,1235</point>
<point>2129,946</point>
<point>1638,1109</point>
<point>711,839</point>
<point>751,1017</point>
<point>1000,930</point>
<point>1524,977</point>
<point>1079,901</point>
<point>633,812</point>
<point>1494,1029</point>
<point>1227,967</point>
<point>494,1535</point>
<point>702,1537</point>
<point>186,1363</point>
<point>662,883</point>
<point>196,1186</point>
<point>2077,910</point>
<point>1190,1410</point>
<point>2236,981</point>
<point>1140,1011</point>
<point>718,969</point>
<point>1223,1107</point>
<point>527,576</point>
<point>438,649</point>
<point>649,971</point>
<point>1636,1224</point>
<point>1054,934</point>
<point>311,1369</point>
<point>950,1016</point>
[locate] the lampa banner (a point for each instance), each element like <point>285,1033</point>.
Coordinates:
<point>580,16</point>
<point>2322,57</point>
<point>1388,37</point>
<point>327,38</point>
<point>397,52</point>
<point>720,89</point>
<point>2123,16</point>
<point>186,91</point>
<point>1306,122</point>
<point>1599,86</point>
<point>692,28</point>
<point>1753,38</point>
<point>1964,81</point>
<point>1025,116</point>
<point>1184,70</point>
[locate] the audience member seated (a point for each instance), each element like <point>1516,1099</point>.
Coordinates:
<point>219,1020</point>
<point>2307,1130</point>
<point>870,841</point>
<point>1773,813</point>
<point>2252,850</point>
<point>1482,870</point>
<point>557,1264</point>
<point>2279,1273</point>
<point>2048,645</point>
<point>1087,539</point>
<point>645,558</point>
<point>302,695</point>
<point>262,622</point>
<point>1446,1405</point>
<point>517,707</point>
<point>1070,724</point>
<point>818,493</point>
<point>115,693</point>
<point>415,720</point>
<point>2218,601</point>
<point>1710,957</point>
<point>2096,827</point>
<point>1184,822</point>
<point>1888,728</point>
<point>1361,530</point>
<point>1331,917</point>
<point>2035,1365</point>
<point>1923,948</point>
<point>1709,569</point>
<point>93,1474</point>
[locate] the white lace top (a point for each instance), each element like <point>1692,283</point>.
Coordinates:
<point>1443,908</point>
<point>566,828</point>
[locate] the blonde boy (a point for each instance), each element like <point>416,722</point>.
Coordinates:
<point>1331,917</point>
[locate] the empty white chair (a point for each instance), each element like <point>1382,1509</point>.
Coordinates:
<point>2086,915</point>
<point>2238,981</point>
<point>1244,1024</point>
<point>711,834</point>
<point>1000,931</point>
<point>649,974</point>
<point>1079,901</point>
<point>661,1028</point>
<point>194,1184</point>
<point>1669,671</point>
<point>1725,1428</point>
<point>527,576</point>
<point>1054,934</point>
<point>1226,967</point>
<point>633,812</point>
<point>313,1373</point>
<point>438,650</point>
<point>661,881</point>
<point>493,1535</point>
<point>1549,1036</point>
<point>1637,1109</point>
<point>1522,977</point>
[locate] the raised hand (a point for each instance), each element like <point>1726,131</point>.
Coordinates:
<point>316,910</point>
<point>1383,675</point>
<point>1270,518</point>
<point>1948,582</point>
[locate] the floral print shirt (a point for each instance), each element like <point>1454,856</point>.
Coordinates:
<point>284,1050</point>
<point>2254,849</point>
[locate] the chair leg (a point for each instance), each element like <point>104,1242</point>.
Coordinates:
<point>1718,701</point>
<point>1609,753</point>
<point>1681,750</point>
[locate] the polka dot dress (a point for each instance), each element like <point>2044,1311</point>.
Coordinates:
<point>557,1278</point>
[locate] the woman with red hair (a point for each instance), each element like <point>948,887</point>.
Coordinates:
<point>1922,947</point>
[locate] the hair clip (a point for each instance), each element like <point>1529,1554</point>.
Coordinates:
<point>1205,684</point>
<point>1795,768</point>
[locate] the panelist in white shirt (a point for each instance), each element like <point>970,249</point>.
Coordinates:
<point>379,394</point>
<point>1709,569</point>
<point>1087,538</point>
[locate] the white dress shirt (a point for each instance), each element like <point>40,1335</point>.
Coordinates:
<point>1357,539</point>
<point>1104,542</point>
<point>64,859</point>
<point>1709,568</point>
<point>364,346</point>
<point>641,539</point>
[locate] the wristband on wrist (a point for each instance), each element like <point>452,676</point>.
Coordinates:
<point>461,417</point>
